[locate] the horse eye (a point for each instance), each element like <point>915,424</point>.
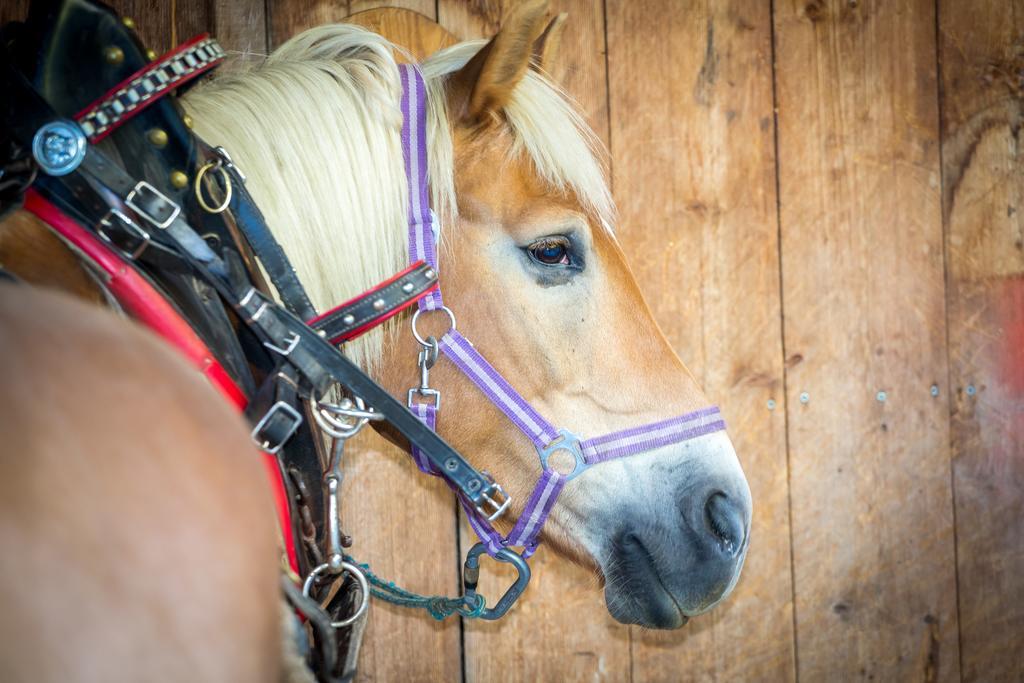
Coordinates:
<point>550,252</point>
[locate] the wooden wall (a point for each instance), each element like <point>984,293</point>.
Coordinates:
<point>827,198</point>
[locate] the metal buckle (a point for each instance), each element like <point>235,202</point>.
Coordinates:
<point>569,442</point>
<point>127,225</point>
<point>285,411</point>
<point>286,351</point>
<point>499,502</point>
<point>144,195</point>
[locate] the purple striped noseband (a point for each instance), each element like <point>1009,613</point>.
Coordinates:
<point>545,437</point>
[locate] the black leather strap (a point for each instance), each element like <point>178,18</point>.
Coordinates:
<point>253,226</point>
<point>373,307</point>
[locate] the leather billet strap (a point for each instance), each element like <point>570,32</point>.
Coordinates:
<point>149,84</point>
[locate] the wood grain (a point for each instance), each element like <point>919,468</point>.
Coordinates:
<point>693,148</point>
<point>982,71</point>
<point>864,311</point>
<point>240,26</point>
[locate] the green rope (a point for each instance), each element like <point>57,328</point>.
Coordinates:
<point>439,606</point>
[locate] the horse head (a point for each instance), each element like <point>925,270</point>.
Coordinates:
<point>530,263</point>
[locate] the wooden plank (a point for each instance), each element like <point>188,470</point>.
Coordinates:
<point>560,630</point>
<point>863,297</point>
<point>693,148</point>
<point>240,26</point>
<point>982,60</point>
<point>13,10</point>
<point>288,17</point>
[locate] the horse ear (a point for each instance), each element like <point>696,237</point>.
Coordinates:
<point>547,45</point>
<point>484,86</point>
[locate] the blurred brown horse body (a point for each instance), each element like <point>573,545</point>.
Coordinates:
<point>137,523</point>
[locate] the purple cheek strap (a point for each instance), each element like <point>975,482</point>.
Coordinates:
<point>545,437</point>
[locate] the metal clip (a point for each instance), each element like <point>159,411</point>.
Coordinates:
<point>229,162</point>
<point>425,360</point>
<point>471,574</point>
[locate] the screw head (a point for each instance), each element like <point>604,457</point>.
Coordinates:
<point>451,464</point>
<point>934,391</point>
<point>804,397</point>
<point>881,396</point>
<point>971,391</point>
<point>771,404</point>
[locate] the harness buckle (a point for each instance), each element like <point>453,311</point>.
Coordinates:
<point>275,428</point>
<point>493,497</point>
<point>293,341</point>
<point>137,238</point>
<point>152,204</point>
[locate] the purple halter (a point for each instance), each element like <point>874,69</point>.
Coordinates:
<point>545,437</point>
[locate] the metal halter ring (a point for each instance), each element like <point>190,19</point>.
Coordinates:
<point>324,414</point>
<point>364,589</point>
<point>415,316</point>
<point>213,166</point>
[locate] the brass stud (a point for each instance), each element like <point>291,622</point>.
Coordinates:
<point>179,180</point>
<point>157,137</point>
<point>187,120</point>
<point>128,22</point>
<point>113,55</point>
<point>151,54</point>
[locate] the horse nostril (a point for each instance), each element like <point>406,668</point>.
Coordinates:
<point>725,522</point>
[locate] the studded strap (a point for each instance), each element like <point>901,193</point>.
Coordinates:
<point>138,91</point>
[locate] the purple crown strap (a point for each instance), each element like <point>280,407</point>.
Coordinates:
<point>494,386</point>
<point>414,152</point>
<point>650,436</point>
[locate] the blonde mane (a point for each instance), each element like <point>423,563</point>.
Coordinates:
<point>316,127</point>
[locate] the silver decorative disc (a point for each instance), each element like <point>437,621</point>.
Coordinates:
<point>59,147</point>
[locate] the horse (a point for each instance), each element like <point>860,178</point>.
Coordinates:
<point>530,263</point>
<point>138,533</point>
